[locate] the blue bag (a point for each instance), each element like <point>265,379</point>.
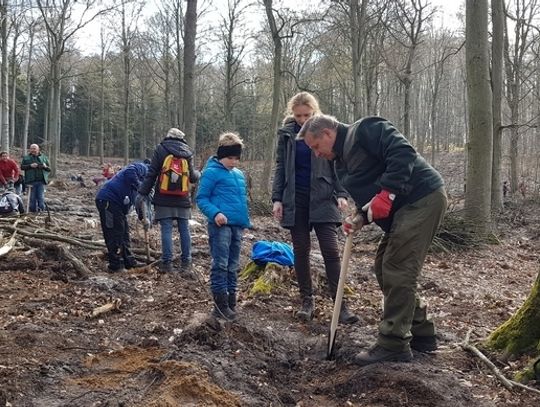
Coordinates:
<point>264,252</point>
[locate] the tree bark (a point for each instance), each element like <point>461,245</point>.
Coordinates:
<point>190,119</point>
<point>4,92</point>
<point>276,90</point>
<point>24,144</point>
<point>497,18</point>
<point>521,333</point>
<point>478,191</point>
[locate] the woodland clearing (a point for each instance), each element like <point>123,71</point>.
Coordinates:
<point>153,344</point>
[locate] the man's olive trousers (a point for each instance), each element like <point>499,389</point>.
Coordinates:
<point>399,260</point>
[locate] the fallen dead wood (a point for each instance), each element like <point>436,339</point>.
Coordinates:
<point>80,269</point>
<point>55,237</point>
<point>103,309</point>
<point>5,249</point>
<point>509,384</point>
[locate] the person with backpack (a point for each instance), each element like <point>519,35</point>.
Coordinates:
<point>170,176</point>
<point>222,198</point>
<point>36,169</point>
<point>11,204</point>
<point>113,201</point>
<point>307,196</point>
<point>9,170</point>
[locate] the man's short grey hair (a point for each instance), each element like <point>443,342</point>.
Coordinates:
<point>177,133</point>
<point>316,124</point>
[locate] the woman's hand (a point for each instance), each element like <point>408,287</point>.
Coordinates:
<point>277,210</point>
<point>342,204</point>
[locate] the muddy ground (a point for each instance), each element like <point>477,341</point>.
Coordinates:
<point>159,347</point>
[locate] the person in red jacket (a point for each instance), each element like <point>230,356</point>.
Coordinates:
<point>9,170</point>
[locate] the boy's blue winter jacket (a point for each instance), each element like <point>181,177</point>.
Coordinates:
<point>124,183</point>
<point>223,191</point>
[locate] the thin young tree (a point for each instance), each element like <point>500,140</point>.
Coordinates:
<point>190,35</point>
<point>4,68</point>
<point>277,59</point>
<point>517,47</point>
<point>234,38</point>
<point>61,27</point>
<point>406,25</point>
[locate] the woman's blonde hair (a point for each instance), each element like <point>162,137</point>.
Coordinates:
<point>303,99</point>
<point>230,139</point>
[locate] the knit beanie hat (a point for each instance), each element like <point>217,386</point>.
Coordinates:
<point>234,150</point>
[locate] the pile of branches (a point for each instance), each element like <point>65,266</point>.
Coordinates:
<point>456,234</point>
<point>37,231</point>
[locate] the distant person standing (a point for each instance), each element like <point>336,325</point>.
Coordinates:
<point>9,170</point>
<point>36,169</point>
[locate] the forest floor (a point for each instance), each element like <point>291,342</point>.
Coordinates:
<point>159,347</point>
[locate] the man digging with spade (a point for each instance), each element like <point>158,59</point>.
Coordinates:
<point>399,191</point>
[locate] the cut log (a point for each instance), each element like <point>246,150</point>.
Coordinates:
<point>106,308</point>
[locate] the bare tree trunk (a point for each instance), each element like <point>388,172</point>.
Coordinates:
<point>54,116</point>
<point>178,18</point>
<point>24,143</point>
<point>497,18</point>
<point>4,91</point>
<point>190,119</point>
<point>101,134</point>
<point>478,192</point>
<point>357,19</point>
<point>13,79</point>
<point>276,89</point>
<point>126,58</point>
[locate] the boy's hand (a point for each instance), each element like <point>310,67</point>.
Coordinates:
<point>220,219</point>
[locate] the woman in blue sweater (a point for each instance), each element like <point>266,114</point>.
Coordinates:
<point>222,198</point>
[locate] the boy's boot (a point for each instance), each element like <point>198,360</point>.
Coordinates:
<point>186,270</point>
<point>232,302</point>
<point>305,313</point>
<point>221,307</point>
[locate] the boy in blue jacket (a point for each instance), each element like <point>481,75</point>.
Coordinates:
<point>222,198</point>
<point>113,201</point>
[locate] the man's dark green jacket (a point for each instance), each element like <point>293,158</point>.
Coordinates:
<point>371,155</point>
<point>40,173</point>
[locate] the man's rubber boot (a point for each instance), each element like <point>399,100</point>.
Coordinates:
<point>424,344</point>
<point>377,354</point>
<point>306,312</point>
<point>221,307</point>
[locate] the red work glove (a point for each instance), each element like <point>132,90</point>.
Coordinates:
<point>353,223</point>
<point>380,206</point>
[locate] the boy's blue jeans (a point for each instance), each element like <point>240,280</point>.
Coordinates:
<point>167,240</point>
<point>225,243</point>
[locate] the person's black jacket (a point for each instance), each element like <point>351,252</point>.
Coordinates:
<point>179,148</point>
